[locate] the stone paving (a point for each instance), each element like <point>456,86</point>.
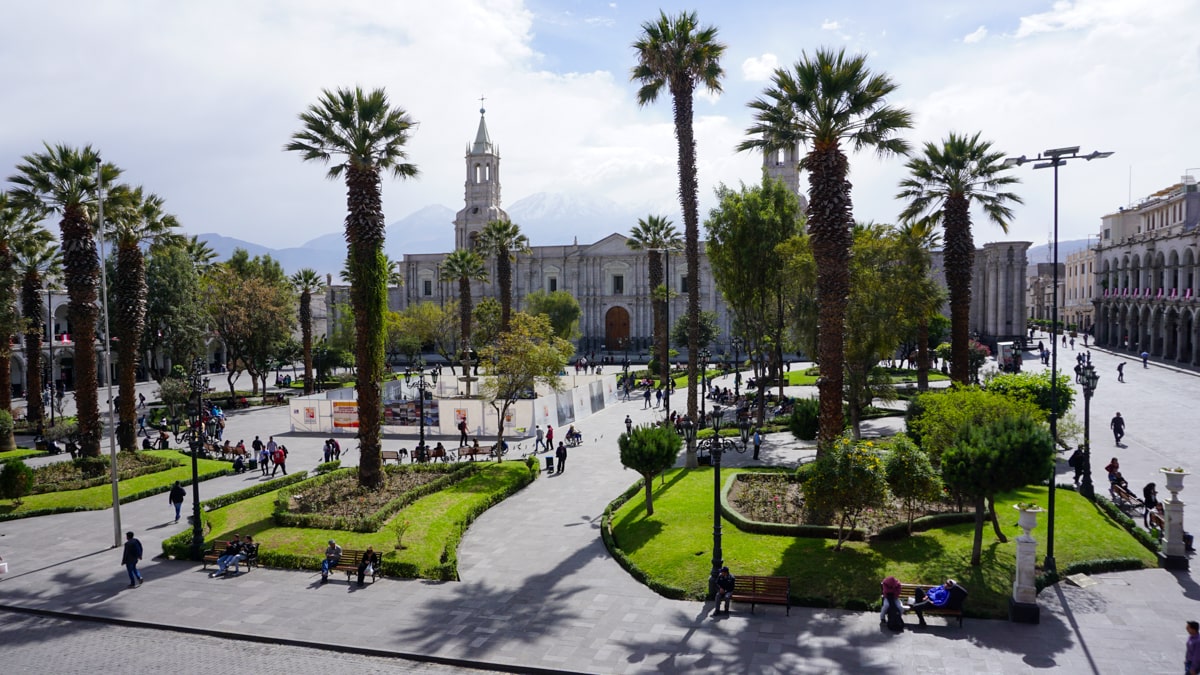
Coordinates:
<point>540,592</point>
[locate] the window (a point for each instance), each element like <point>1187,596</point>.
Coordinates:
<point>683,284</point>
<point>618,287</point>
<point>428,287</point>
<point>552,284</point>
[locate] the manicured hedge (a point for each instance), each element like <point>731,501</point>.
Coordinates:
<point>900,530</point>
<point>779,529</point>
<point>102,464</point>
<point>253,491</point>
<point>1088,567</point>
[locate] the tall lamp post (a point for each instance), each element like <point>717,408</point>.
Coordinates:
<point>737,366</point>
<point>49,383</point>
<point>196,384</point>
<point>1052,159</point>
<point>112,422</point>
<point>704,356</point>
<point>1090,379</point>
<point>665,252</point>
<point>415,377</point>
<point>717,446</point>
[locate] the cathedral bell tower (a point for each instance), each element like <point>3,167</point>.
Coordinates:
<point>482,200</point>
<point>784,165</point>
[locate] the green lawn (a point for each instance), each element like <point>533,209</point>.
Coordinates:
<point>20,453</point>
<point>674,548</point>
<point>435,522</point>
<point>100,496</point>
<point>797,378</point>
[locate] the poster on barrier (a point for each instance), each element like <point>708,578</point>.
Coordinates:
<point>345,414</point>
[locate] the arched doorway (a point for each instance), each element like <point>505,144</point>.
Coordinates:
<point>616,328</point>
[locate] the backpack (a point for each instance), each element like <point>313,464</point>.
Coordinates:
<point>1073,461</point>
<point>894,621</point>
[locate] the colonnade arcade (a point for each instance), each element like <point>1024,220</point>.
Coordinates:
<point>1147,301</point>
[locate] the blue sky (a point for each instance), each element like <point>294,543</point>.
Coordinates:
<point>195,100</point>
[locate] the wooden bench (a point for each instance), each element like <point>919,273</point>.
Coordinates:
<point>217,549</point>
<point>349,562</point>
<point>385,455</point>
<point>471,451</point>
<point>1123,497</point>
<point>763,590</point>
<point>908,596</point>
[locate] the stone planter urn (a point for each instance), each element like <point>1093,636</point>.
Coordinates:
<point>1022,606</point>
<point>1174,555</point>
<point>1173,479</point>
<point>1027,516</point>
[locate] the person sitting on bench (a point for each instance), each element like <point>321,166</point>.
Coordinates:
<point>232,550</point>
<point>725,584</point>
<point>949,595</point>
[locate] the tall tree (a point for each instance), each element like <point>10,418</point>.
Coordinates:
<point>917,238</point>
<point>141,221</point>
<point>560,307</point>
<point>463,266</point>
<point>368,134</point>
<point>18,228</point>
<point>175,318</point>
<point>306,282</point>
<point>63,180</point>
<point>201,253</point>
<point>39,264</point>
<point>676,52</point>
<point>503,239</point>
<point>942,184</point>
<point>657,236</point>
<point>252,315</point>
<point>829,100</point>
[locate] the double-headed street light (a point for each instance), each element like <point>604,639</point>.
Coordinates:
<point>717,446</point>
<point>415,377</point>
<point>1052,159</point>
<point>1090,379</point>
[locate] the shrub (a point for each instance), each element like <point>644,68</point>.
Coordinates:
<point>804,420</point>
<point>327,467</point>
<point>16,479</point>
<point>845,481</point>
<point>935,418</point>
<point>649,450</point>
<point>6,423</point>
<point>911,476</point>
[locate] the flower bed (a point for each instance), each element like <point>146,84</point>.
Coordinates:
<point>87,472</point>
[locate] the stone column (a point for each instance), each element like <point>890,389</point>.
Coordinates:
<point>1022,606</point>
<point>1174,554</point>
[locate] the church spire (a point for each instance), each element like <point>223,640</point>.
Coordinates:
<point>483,142</point>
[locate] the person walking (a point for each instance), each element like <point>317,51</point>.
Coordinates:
<point>130,557</point>
<point>1121,372</point>
<point>279,458</point>
<point>1145,359</point>
<point>176,498</point>
<point>561,455</point>
<point>141,401</point>
<point>1191,654</point>
<point>757,441</point>
<point>646,399</point>
<point>539,443</point>
<point>1076,462</point>
<point>462,433</point>
<point>658,395</point>
<point>549,436</point>
<point>628,424</point>
<point>1118,427</point>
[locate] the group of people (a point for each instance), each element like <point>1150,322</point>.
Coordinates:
<point>236,552</point>
<point>271,455</point>
<point>331,451</point>
<point>333,555</point>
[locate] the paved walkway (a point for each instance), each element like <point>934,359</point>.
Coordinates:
<point>539,591</point>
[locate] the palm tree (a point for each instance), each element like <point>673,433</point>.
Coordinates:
<point>658,236</point>
<point>503,239</point>
<point>917,238</point>
<point>38,261</point>
<point>829,100</point>
<point>140,222</point>
<point>306,282</point>
<point>678,53</point>
<point>464,266</point>
<point>63,180</point>
<point>18,226</point>
<point>941,186</point>
<point>369,135</point>
<point>200,253</point>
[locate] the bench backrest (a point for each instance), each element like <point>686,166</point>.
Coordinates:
<point>752,585</point>
<point>390,454</point>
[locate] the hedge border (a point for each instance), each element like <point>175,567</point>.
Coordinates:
<point>614,548</point>
<point>159,464</point>
<point>447,570</point>
<point>252,491</point>
<point>777,529</point>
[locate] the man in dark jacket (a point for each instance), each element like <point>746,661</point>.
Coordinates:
<point>130,557</point>
<point>725,583</point>
<point>176,498</point>
<point>561,455</point>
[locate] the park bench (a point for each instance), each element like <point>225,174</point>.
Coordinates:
<point>349,562</point>
<point>908,596</point>
<point>1157,521</point>
<point>442,455</point>
<point>471,451</point>
<point>763,590</point>
<point>385,455</point>
<point>217,549</point>
<point>1123,498</point>
<point>278,398</point>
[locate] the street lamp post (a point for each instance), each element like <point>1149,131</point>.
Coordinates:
<point>1090,379</point>
<point>1052,159</point>
<point>49,384</point>
<point>112,423</point>
<point>665,356</point>
<point>415,377</point>
<point>196,384</point>
<point>717,446</point>
<point>704,356</point>
<point>737,366</point>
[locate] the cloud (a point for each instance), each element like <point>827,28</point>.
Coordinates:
<point>976,36</point>
<point>829,24</point>
<point>759,68</point>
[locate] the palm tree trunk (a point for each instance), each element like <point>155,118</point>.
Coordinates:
<point>33,310</point>
<point>923,354</point>
<point>368,299</point>
<point>81,266</point>
<point>130,302</point>
<point>682,95</point>
<point>306,337</point>
<point>959,259</point>
<point>504,274</point>
<point>829,230</point>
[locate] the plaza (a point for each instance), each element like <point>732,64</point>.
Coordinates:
<point>539,592</point>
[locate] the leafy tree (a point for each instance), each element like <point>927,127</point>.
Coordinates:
<point>504,240</point>
<point>18,229</point>
<point>486,319</point>
<point>744,234</point>
<point>252,316</point>
<point>436,327</point>
<point>1001,455</point>
<point>1035,388</point>
<point>649,451</point>
<point>174,391</point>
<point>16,479</point>
<point>260,266</point>
<point>368,135</point>
<point>63,180</point>
<point>846,480</point>
<point>923,296</point>
<point>657,236</point>
<point>911,476</point>
<point>800,292</point>
<point>307,282</point>
<point>830,101</point>
<point>560,307</point>
<point>681,333</point>
<point>141,221</point>
<point>402,336</point>
<point>977,356</point>
<point>936,418</point>
<point>804,421</point>
<point>200,253</point>
<point>942,185</point>
<point>677,53</point>
<point>38,263</point>
<point>521,358</point>
<point>175,318</point>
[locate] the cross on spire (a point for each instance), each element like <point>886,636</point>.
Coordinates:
<point>481,108</point>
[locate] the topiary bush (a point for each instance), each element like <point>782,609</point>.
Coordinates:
<point>16,479</point>
<point>804,420</point>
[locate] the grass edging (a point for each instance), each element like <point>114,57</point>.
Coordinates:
<point>610,543</point>
<point>252,491</point>
<point>1087,567</point>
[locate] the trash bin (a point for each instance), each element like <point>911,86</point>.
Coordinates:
<point>252,464</point>
<point>549,463</point>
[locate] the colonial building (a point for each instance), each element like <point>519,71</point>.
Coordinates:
<point>997,290</point>
<point>1040,292</point>
<point>1148,276</point>
<point>1077,309</point>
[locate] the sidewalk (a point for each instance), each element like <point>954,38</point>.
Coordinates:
<point>539,591</point>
